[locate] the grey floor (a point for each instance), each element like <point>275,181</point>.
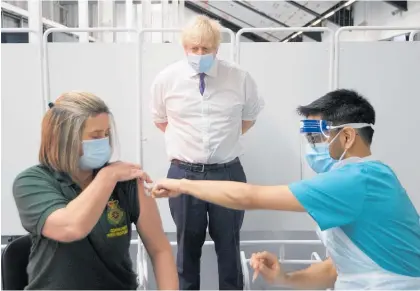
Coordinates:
<point>209,273</point>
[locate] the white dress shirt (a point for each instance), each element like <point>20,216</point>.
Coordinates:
<point>204,129</point>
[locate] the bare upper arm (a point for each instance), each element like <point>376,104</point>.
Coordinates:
<point>149,224</point>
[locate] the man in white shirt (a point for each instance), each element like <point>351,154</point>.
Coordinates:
<point>204,105</point>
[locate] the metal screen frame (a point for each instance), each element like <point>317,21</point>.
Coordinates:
<point>19,30</point>
<point>359,28</point>
<point>315,258</point>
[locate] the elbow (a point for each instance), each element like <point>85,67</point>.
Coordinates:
<point>75,234</point>
<point>165,253</point>
<point>75,230</point>
<point>163,249</point>
<point>72,234</point>
<point>161,125</point>
<point>64,234</point>
<point>58,227</point>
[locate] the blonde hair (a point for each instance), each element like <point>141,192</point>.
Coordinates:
<point>62,130</point>
<point>202,30</point>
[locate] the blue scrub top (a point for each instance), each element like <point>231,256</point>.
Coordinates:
<point>367,201</point>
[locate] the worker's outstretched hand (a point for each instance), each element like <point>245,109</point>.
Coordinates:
<point>267,265</point>
<point>166,188</point>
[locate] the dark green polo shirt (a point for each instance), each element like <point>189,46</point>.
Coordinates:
<point>99,261</point>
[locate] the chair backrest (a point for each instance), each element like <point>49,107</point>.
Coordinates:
<point>14,261</point>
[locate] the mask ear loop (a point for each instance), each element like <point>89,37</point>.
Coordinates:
<point>329,144</point>
<point>342,156</point>
<point>345,151</point>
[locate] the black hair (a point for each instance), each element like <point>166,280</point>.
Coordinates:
<point>343,106</point>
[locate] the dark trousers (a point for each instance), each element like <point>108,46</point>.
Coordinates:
<point>190,216</point>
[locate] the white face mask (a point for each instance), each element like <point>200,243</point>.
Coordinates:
<point>96,153</point>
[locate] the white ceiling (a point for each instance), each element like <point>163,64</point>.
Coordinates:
<point>281,11</point>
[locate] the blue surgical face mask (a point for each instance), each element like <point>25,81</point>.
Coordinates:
<point>96,153</point>
<point>318,157</point>
<point>201,63</point>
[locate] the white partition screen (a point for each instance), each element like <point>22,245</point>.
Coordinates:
<point>388,74</point>
<point>288,75</point>
<point>21,114</point>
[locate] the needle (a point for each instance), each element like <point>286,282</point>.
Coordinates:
<point>254,277</point>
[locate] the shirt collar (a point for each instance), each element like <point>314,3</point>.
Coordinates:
<point>212,72</point>
<point>65,178</point>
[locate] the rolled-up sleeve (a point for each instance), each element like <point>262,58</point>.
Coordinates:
<point>254,103</point>
<point>157,104</point>
<point>132,191</point>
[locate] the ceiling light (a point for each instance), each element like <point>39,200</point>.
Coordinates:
<point>349,2</point>
<point>316,22</point>
<point>329,14</point>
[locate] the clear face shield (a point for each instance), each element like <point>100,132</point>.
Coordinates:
<point>316,138</point>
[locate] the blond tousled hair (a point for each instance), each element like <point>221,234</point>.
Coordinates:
<point>62,130</point>
<point>202,30</point>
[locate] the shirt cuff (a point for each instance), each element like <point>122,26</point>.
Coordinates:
<point>43,218</point>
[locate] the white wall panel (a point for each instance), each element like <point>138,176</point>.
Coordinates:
<point>21,114</point>
<point>387,73</point>
<point>288,75</point>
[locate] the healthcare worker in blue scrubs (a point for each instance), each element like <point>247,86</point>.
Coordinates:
<point>366,220</point>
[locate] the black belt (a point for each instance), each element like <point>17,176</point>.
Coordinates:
<point>203,167</point>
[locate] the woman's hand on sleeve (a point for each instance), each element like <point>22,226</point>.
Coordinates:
<point>121,171</point>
